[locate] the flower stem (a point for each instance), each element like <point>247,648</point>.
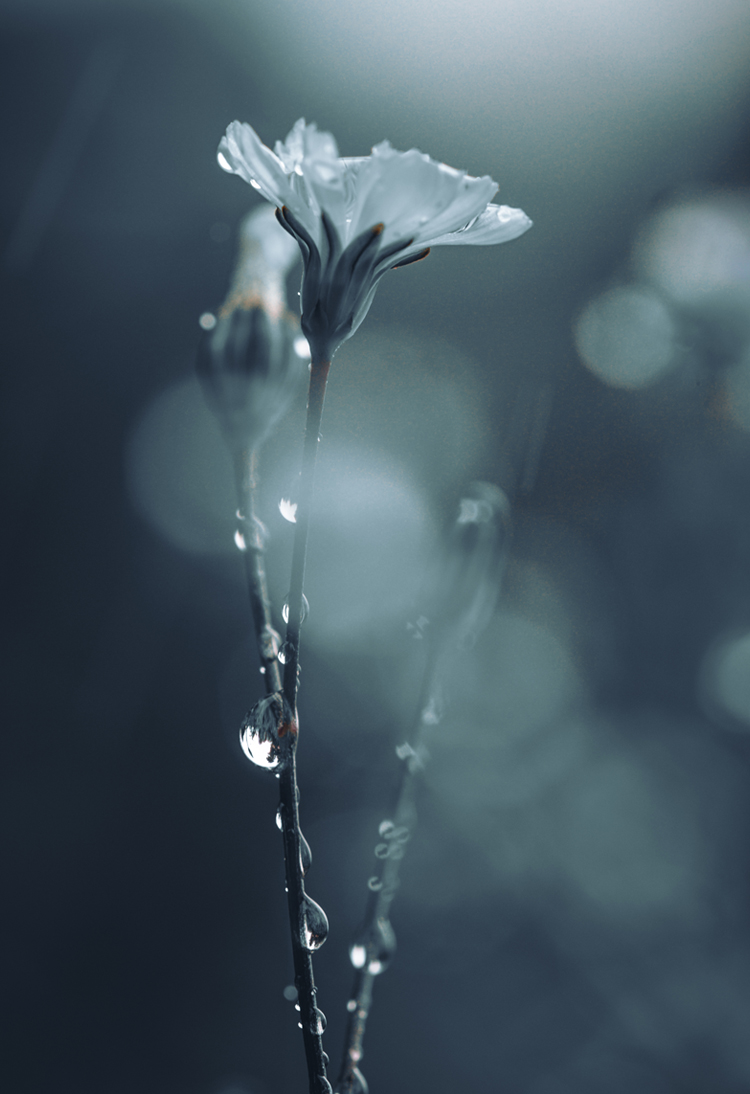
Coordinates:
<point>251,532</point>
<point>289,793</point>
<point>318,379</point>
<point>377,931</point>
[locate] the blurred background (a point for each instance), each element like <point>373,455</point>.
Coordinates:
<point>575,908</point>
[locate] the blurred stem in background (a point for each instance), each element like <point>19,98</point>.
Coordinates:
<point>461,602</point>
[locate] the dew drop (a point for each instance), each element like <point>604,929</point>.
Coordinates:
<point>326,1059</point>
<point>351,1006</point>
<point>279,818</point>
<point>239,541</point>
<point>224,163</point>
<point>255,185</point>
<point>258,734</point>
<point>375,948</point>
<point>314,925</point>
<point>357,956</point>
<point>297,1006</point>
<point>318,1021</point>
<point>303,614</point>
<point>374,884</point>
<point>207,321</point>
<point>288,510</point>
<point>385,828</point>
<point>322,1086</point>
<point>299,1025</point>
<point>285,652</point>
<point>305,855</point>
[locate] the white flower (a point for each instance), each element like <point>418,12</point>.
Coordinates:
<point>354,219</point>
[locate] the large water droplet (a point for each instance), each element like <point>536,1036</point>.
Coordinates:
<point>305,609</point>
<point>285,653</point>
<point>318,1021</point>
<point>259,733</point>
<point>305,855</point>
<point>314,925</point>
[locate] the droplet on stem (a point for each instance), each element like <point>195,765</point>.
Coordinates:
<point>259,733</point>
<point>305,855</point>
<point>314,925</point>
<point>303,615</point>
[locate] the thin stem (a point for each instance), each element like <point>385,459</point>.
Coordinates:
<point>377,936</point>
<point>299,909</point>
<point>253,552</point>
<point>316,397</point>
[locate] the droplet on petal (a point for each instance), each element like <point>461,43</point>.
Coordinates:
<point>224,163</point>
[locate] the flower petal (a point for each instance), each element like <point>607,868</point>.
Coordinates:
<point>410,193</point>
<point>497,224</point>
<point>245,155</point>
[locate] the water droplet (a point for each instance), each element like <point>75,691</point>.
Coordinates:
<point>305,855</point>
<point>351,1006</point>
<point>224,163</point>
<point>280,818</point>
<point>382,850</point>
<point>259,733</point>
<point>375,947</point>
<point>326,1059</point>
<point>375,884</point>
<point>297,1006</point>
<point>207,321</point>
<point>318,1021</point>
<point>299,1025</point>
<point>255,185</point>
<point>262,670</point>
<point>355,1082</point>
<point>357,956</point>
<point>288,510</point>
<point>315,925</point>
<point>303,615</point>
<point>285,652</point>
<point>290,992</point>
<point>301,347</point>
<point>322,1085</point>
<point>239,541</point>
<point>385,828</point>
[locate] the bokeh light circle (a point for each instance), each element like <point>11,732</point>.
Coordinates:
<point>626,337</point>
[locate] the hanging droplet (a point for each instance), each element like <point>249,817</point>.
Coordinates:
<point>354,1083</point>
<point>259,733</point>
<point>288,510</point>
<point>385,828</point>
<point>318,1021</point>
<point>326,1059</point>
<point>351,1006</point>
<point>305,855</point>
<point>375,948</point>
<point>285,653</point>
<point>239,541</point>
<point>357,956</point>
<point>280,818</point>
<point>322,1086</point>
<point>297,1006</point>
<point>314,925</point>
<point>303,615</point>
<point>374,884</point>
